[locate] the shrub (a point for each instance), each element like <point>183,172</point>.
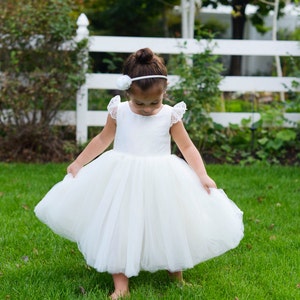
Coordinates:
<point>266,140</point>
<point>200,75</point>
<point>39,76</point>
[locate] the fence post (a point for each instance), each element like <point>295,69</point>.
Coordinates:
<point>82,94</point>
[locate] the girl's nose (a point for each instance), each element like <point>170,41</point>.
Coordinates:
<point>147,109</point>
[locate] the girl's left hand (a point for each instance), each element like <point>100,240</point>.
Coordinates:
<point>74,168</point>
<point>207,183</point>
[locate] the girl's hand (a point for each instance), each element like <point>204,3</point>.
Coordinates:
<point>207,183</point>
<point>74,168</point>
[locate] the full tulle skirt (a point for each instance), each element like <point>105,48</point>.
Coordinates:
<point>129,213</point>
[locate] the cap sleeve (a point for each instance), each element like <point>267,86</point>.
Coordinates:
<point>177,112</point>
<point>112,106</point>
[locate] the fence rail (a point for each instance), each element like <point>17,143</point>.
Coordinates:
<point>115,44</point>
<point>191,46</point>
<point>82,118</point>
<point>228,83</point>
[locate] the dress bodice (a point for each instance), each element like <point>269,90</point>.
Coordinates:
<point>143,135</point>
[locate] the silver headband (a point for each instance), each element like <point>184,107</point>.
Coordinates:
<point>124,81</point>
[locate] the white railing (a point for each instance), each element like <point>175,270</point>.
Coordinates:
<point>83,118</point>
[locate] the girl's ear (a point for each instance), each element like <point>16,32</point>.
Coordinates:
<point>165,96</point>
<point>166,89</point>
<point>127,95</point>
<point>167,86</point>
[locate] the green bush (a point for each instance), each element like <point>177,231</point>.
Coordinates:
<point>200,75</point>
<point>39,75</point>
<point>266,140</point>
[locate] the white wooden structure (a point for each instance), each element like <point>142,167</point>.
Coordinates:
<point>83,118</point>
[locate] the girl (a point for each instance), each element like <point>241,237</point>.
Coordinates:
<point>137,207</point>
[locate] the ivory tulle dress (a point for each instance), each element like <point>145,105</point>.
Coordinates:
<point>138,207</point>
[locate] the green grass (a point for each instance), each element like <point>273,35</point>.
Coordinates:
<point>37,264</point>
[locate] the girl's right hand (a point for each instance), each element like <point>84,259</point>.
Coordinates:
<point>74,168</point>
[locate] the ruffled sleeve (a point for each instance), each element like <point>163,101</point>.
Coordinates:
<point>112,106</point>
<point>177,112</point>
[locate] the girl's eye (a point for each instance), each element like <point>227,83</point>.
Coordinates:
<point>151,104</point>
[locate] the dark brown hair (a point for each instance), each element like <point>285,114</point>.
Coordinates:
<point>142,63</point>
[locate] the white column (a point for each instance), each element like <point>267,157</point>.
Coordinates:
<point>191,24</point>
<point>274,38</point>
<point>184,19</point>
<point>82,93</point>
<point>187,18</point>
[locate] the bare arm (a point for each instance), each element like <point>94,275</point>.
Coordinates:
<point>95,147</point>
<point>191,154</point>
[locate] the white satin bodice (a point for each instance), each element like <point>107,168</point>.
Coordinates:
<point>144,135</point>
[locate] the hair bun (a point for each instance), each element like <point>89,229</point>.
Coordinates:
<point>144,56</point>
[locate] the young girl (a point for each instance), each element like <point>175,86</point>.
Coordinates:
<point>138,207</point>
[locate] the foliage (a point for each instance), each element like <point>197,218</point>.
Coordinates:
<point>199,88</point>
<point>266,140</point>
<point>216,27</point>
<point>273,139</point>
<point>263,10</point>
<point>128,18</point>
<point>238,21</point>
<point>257,19</point>
<point>37,264</point>
<point>39,75</point>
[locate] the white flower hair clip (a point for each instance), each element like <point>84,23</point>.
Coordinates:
<point>124,81</point>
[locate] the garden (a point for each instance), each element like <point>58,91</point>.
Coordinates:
<point>37,81</point>
<point>257,164</point>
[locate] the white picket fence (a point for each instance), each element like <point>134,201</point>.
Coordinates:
<point>83,118</point>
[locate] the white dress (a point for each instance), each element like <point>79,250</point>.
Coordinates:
<point>138,207</point>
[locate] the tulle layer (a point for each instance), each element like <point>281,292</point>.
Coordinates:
<point>141,213</point>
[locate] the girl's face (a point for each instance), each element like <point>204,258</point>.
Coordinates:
<point>148,102</point>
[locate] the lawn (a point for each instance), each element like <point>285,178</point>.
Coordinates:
<point>37,264</point>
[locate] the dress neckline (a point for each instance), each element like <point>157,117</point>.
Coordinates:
<point>128,105</point>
